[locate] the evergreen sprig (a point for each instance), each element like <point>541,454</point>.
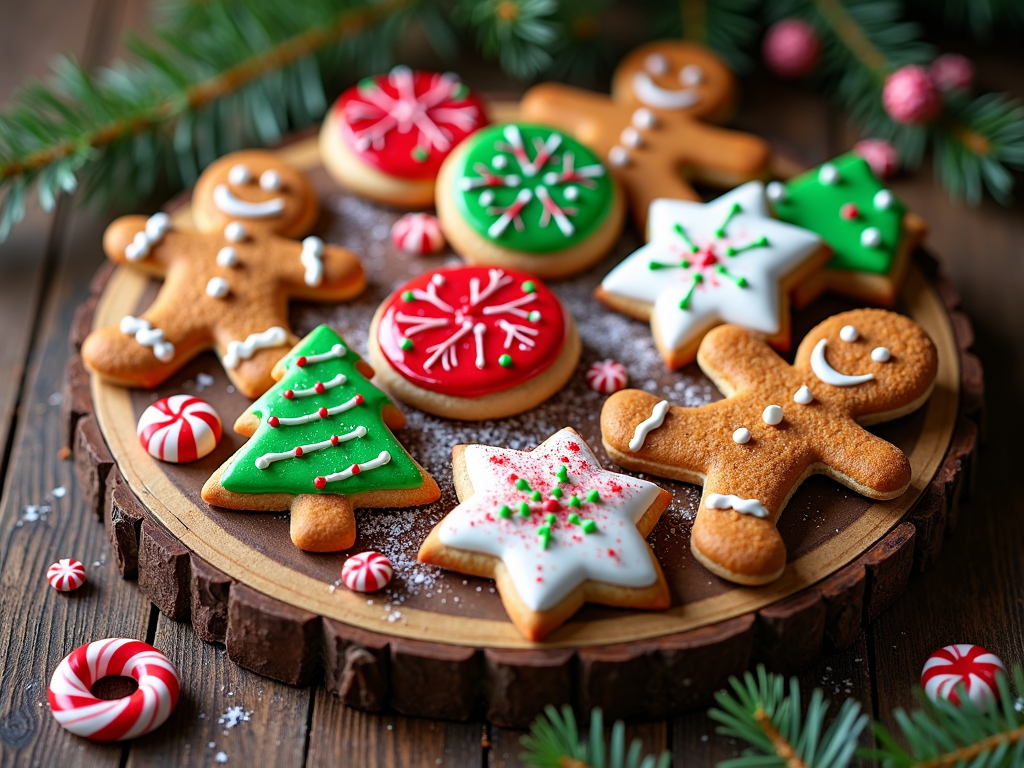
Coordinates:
<point>554,741</point>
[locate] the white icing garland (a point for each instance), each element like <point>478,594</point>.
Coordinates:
<point>156,227</point>
<point>148,336</point>
<point>317,389</point>
<point>644,428</point>
<point>317,415</point>
<point>264,461</point>
<point>238,351</point>
<point>312,250</point>
<point>382,458</point>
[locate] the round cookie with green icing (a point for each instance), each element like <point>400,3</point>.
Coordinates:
<point>528,197</point>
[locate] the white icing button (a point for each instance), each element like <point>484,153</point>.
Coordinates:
<point>572,193</point>
<point>880,355</point>
<point>828,174</point>
<point>217,288</point>
<point>871,237</point>
<point>630,137</point>
<point>486,197</point>
<point>776,191</point>
<point>803,396</point>
<point>270,180</point>
<point>240,174</point>
<point>643,118</point>
<point>618,156</point>
<point>499,161</point>
<point>848,333</point>
<point>772,415</point>
<point>227,257</point>
<point>883,199</point>
<point>691,74</point>
<point>235,232</point>
<point>741,436</point>
<point>656,64</point>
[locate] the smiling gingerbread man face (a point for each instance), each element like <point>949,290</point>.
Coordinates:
<point>777,425</point>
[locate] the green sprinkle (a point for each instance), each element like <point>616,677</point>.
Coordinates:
<point>594,497</point>
<point>552,518</point>
<point>575,502</point>
<point>406,344</point>
<point>678,228</point>
<point>656,265</point>
<point>504,511</point>
<point>589,526</point>
<point>562,474</point>
<point>523,484</point>
<point>534,316</point>
<point>408,296</point>
<point>536,496</point>
<point>524,509</point>
<point>697,280</point>
<point>545,537</point>
<point>544,531</point>
<point>556,493</point>
<point>528,287</point>
<point>367,85</point>
<point>720,232</point>
<point>505,361</point>
<point>420,155</point>
<point>574,518</point>
<point>740,281</point>
<point>761,242</point>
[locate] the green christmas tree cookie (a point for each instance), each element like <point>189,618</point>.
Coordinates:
<point>321,445</point>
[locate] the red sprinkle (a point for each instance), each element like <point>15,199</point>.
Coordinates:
<point>334,439</point>
<point>849,211</point>
<point>355,469</point>
<point>322,412</point>
<point>288,394</point>
<point>320,483</point>
<point>273,421</point>
<point>301,361</point>
<point>298,450</point>
<point>574,447</point>
<point>359,399</point>
<point>319,387</point>
<point>551,505</point>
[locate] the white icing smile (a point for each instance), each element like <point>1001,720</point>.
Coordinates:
<point>226,201</point>
<point>830,375</point>
<point>653,95</point>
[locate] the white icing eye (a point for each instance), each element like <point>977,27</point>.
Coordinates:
<point>848,333</point>
<point>227,257</point>
<point>803,396</point>
<point>691,74</point>
<point>772,415</point>
<point>240,174</point>
<point>572,193</point>
<point>270,181</point>
<point>656,64</point>
<point>741,436</point>
<point>486,197</point>
<point>776,191</point>
<point>871,237</point>
<point>499,162</point>
<point>828,174</point>
<point>881,354</point>
<point>643,118</point>
<point>235,232</point>
<point>630,137</point>
<point>883,200</point>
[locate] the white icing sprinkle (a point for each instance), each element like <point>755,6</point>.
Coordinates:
<point>849,333</point>
<point>741,436</point>
<point>644,428</point>
<point>880,354</point>
<point>803,396</point>
<point>486,197</point>
<point>630,137</point>
<point>217,288</point>
<point>235,232</point>
<point>227,256</point>
<point>883,200</point>
<point>743,506</point>
<point>871,237</point>
<point>643,118</point>
<point>776,191</point>
<point>618,156</point>
<point>828,174</point>
<point>572,193</point>
<point>772,415</point>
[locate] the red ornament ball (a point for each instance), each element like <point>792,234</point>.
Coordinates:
<point>791,48</point>
<point>910,97</point>
<point>968,665</point>
<point>880,155</point>
<point>952,72</point>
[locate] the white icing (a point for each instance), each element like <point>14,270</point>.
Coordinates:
<point>644,119</point>
<point>382,458</point>
<point>227,257</point>
<point>743,506</point>
<point>630,137</point>
<point>320,413</point>
<point>656,64</point>
<point>756,306</point>
<point>312,250</point>
<point>156,227</point>
<point>741,436</point>
<point>849,333</point>
<point>270,180</point>
<point>337,351</point>
<point>648,425</point>
<point>217,288</point>
<point>871,237</point>
<point>803,396</point>
<point>691,74</point>
<point>615,553</point>
<point>883,200</point>
<point>239,174</point>
<point>235,232</point>
<point>881,354</point>
<point>776,191</point>
<point>226,201</point>
<point>337,381</point>
<point>772,415</point>
<point>572,193</point>
<point>828,174</point>
<point>148,336</point>
<point>499,162</point>
<point>830,375</point>
<point>653,95</point>
<point>486,197</point>
<point>264,461</point>
<point>238,351</point>
<point>618,156</point>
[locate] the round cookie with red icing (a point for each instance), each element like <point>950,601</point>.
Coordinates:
<point>387,136</point>
<point>473,342</point>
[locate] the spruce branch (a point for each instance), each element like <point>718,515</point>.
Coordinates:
<point>554,741</point>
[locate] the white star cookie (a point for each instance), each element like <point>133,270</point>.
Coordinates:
<point>726,261</point>
<point>553,529</point>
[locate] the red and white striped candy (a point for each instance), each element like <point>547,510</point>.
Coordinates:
<point>78,711</point>
<point>418,233</point>
<point>66,575</point>
<point>607,376</point>
<point>366,572</point>
<point>179,428</point>
<point>971,665</point>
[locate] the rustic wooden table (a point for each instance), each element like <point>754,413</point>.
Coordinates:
<point>975,594</point>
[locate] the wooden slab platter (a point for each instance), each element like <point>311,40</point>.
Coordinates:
<point>438,644</point>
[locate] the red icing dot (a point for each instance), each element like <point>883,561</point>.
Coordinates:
<point>574,447</point>
<point>273,421</point>
<point>513,477</point>
<point>706,258</point>
<point>334,439</point>
<point>288,394</point>
<point>301,362</point>
<point>551,505</point>
<point>359,399</point>
<point>322,412</point>
<point>298,450</point>
<point>320,483</point>
<point>355,469</point>
<point>614,487</point>
<point>318,388</point>
<point>497,459</point>
<point>849,211</point>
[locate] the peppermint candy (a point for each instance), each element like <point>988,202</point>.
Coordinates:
<point>77,710</point>
<point>418,233</point>
<point>607,376</point>
<point>66,575</point>
<point>179,428</point>
<point>970,665</point>
<point>366,572</point>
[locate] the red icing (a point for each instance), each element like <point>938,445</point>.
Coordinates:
<point>849,211</point>
<point>392,120</point>
<point>551,505</point>
<point>273,421</point>
<point>320,482</point>
<point>288,394</point>
<point>450,301</point>
<point>574,447</point>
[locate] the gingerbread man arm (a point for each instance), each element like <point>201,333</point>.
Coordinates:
<point>319,272</point>
<point>584,114</point>
<point>119,237</point>
<point>867,464</point>
<point>721,157</point>
<point>736,359</point>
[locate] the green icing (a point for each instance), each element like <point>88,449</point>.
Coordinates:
<point>814,205</point>
<point>493,177</point>
<point>296,475</point>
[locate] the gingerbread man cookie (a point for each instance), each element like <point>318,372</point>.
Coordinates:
<point>655,130</point>
<point>553,529</point>
<point>227,286</point>
<point>777,425</point>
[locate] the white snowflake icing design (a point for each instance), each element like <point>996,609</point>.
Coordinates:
<point>557,544</point>
<point>713,262</point>
<point>409,110</point>
<point>531,170</point>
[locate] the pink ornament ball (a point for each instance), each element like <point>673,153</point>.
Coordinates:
<point>963,664</point>
<point>607,376</point>
<point>880,155</point>
<point>952,72</point>
<point>791,48</point>
<point>910,97</point>
<point>366,572</point>
<point>66,575</point>
<point>418,233</point>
